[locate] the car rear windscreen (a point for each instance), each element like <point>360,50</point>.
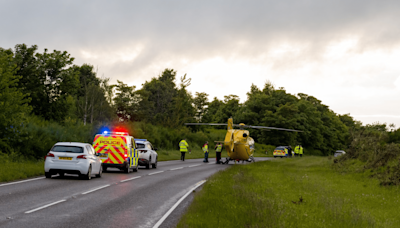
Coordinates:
<point>140,145</point>
<point>69,149</point>
<point>280,148</point>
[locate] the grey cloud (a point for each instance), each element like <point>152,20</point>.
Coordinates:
<point>198,29</point>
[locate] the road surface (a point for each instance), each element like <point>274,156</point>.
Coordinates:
<point>115,200</point>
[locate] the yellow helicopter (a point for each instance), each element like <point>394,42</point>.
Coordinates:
<point>238,143</point>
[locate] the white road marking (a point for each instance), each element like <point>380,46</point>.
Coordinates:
<point>42,207</point>
<point>178,168</point>
<point>177,203</point>
<point>155,173</point>
<point>18,182</point>
<point>211,163</point>
<point>130,179</point>
<point>194,165</point>
<point>105,186</point>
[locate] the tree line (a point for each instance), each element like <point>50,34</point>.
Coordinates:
<point>50,87</point>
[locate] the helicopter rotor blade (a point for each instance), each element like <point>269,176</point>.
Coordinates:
<point>262,127</point>
<point>208,124</point>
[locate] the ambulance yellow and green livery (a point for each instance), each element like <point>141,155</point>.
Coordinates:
<point>117,150</point>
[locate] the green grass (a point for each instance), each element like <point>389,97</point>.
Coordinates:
<point>10,171</point>
<point>268,194</point>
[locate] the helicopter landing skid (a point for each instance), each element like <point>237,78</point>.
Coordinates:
<point>251,159</point>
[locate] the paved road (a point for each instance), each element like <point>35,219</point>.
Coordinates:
<point>116,200</point>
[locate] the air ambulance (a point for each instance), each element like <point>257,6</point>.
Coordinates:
<point>117,150</point>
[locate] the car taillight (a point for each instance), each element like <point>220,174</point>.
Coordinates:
<point>126,155</point>
<point>48,155</point>
<point>81,157</point>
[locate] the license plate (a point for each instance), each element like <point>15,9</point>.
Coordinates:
<point>103,155</point>
<point>65,158</point>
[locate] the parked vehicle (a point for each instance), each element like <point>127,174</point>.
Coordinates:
<point>72,158</point>
<point>117,150</point>
<point>147,153</point>
<point>281,151</point>
<point>339,153</point>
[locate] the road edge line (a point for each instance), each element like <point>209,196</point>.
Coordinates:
<point>177,203</point>
<point>23,181</point>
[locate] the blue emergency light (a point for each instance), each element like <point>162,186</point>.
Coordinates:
<point>140,140</point>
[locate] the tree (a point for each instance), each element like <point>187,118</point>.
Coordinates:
<point>200,104</point>
<point>47,79</point>
<point>13,103</point>
<point>182,109</point>
<point>157,98</point>
<point>89,93</point>
<point>125,101</point>
<point>210,114</point>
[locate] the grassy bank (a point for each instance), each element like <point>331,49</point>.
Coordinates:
<point>14,167</point>
<point>304,192</point>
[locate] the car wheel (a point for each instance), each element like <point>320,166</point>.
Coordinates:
<point>88,176</point>
<point>148,165</point>
<point>155,164</point>
<point>126,169</point>
<point>61,174</point>
<point>47,174</point>
<point>100,172</point>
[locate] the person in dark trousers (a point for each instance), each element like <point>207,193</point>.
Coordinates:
<point>205,150</point>
<point>290,151</point>
<point>301,151</point>
<point>183,147</point>
<point>218,150</point>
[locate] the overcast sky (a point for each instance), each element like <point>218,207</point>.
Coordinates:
<point>344,53</point>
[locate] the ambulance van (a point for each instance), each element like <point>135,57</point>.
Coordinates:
<point>117,150</point>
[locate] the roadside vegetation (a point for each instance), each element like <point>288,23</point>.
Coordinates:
<point>45,98</point>
<point>298,192</point>
<point>14,166</point>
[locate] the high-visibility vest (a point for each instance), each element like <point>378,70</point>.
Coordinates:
<point>301,150</point>
<point>219,148</point>
<point>286,151</point>
<point>205,148</point>
<point>183,145</point>
<point>297,149</point>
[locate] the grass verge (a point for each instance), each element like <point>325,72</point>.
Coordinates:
<point>301,192</point>
<point>10,171</point>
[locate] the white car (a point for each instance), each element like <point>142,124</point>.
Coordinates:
<point>339,153</point>
<point>72,158</point>
<point>147,153</point>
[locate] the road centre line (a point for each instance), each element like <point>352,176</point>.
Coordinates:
<point>18,182</point>
<point>193,165</point>
<point>178,168</point>
<point>105,186</point>
<point>42,207</point>
<point>155,173</point>
<point>177,203</point>
<point>130,179</point>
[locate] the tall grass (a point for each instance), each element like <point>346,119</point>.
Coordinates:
<point>14,166</point>
<point>301,192</point>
